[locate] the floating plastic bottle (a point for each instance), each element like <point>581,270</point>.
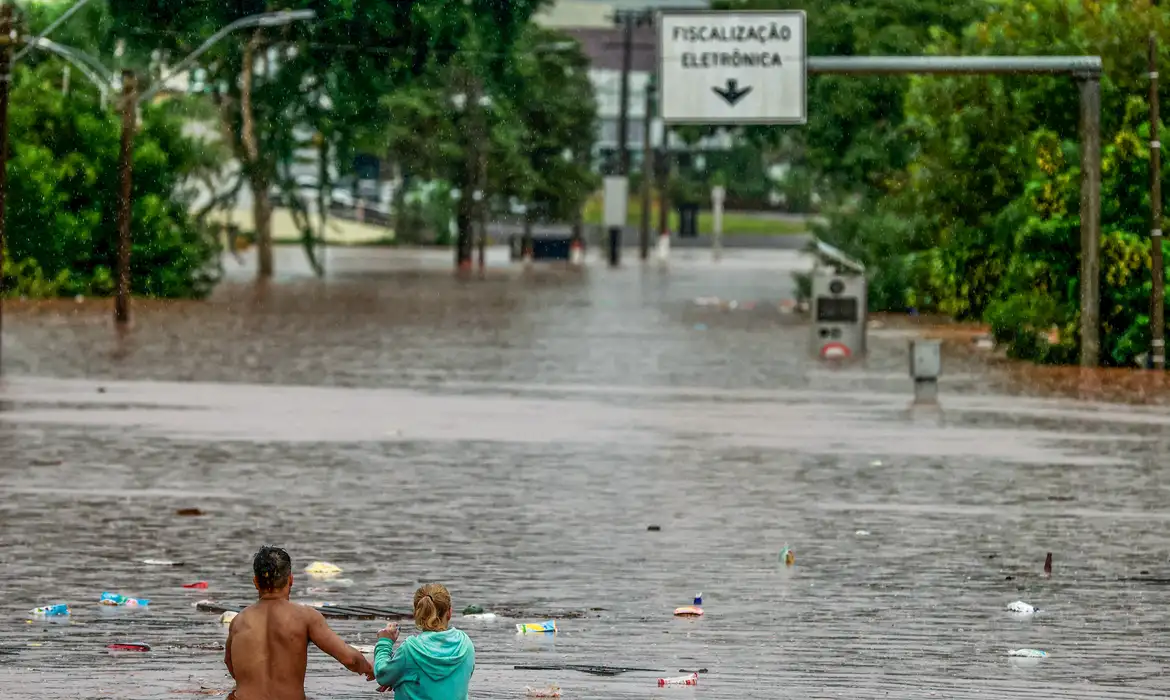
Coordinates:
<point>123,601</point>
<point>694,610</point>
<point>1021,608</point>
<point>692,679</point>
<point>58,610</point>
<point>546,627</point>
<point>787,556</point>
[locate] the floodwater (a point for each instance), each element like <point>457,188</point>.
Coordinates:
<point>515,436</point>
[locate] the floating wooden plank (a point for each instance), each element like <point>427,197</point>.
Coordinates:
<point>592,670</point>
<point>335,612</point>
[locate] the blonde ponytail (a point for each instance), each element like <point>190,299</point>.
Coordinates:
<point>432,606</point>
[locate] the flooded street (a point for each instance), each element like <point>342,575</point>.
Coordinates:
<point>515,436</point>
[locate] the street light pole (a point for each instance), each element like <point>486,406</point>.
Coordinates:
<point>5,83</point>
<point>1157,268</point>
<point>125,168</point>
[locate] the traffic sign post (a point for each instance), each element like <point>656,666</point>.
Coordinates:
<point>720,67</point>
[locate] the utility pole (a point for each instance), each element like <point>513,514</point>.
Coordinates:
<point>469,213</point>
<point>5,83</point>
<point>481,148</point>
<point>627,19</point>
<point>664,185</point>
<point>125,176</point>
<point>1157,292</point>
<point>647,169</point>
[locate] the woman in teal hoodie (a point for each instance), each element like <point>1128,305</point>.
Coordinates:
<point>434,665</point>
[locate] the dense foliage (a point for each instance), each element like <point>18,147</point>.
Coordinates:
<point>334,82</point>
<point>62,198</point>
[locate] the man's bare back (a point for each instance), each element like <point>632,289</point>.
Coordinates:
<point>267,647</point>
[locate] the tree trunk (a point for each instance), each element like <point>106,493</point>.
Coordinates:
<point>257,178</point>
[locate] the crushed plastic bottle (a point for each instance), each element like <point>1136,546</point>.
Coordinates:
<point>116,599</point>
<point>692,679</point>
<point>546,627</point>
<point>694,610</point>
<point>1021,608</point>
<point>58,610</point>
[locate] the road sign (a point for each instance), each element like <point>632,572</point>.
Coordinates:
<point>732,67</point>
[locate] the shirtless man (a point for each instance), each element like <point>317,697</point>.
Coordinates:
<point>268,643</point>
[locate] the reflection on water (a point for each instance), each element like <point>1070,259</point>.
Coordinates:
<point>514,437</point>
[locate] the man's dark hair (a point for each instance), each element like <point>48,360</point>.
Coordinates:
<point>272,567</point>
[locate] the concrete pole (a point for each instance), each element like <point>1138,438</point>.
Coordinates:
<point>1090,272</point>
<point>1157,266</point>
<point>647,169</point>
<point>717,195</point>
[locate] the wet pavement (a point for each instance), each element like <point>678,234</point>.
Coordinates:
<point>515,436</point>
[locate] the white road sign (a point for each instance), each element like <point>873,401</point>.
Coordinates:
<point>732,67</point>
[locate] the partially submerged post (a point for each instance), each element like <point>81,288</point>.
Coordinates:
<point>718,193</point>
<point>925,368</point>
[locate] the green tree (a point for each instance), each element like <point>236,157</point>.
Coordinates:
<point>327,76</point>
<point>984,218</point>
<point>61,215</point>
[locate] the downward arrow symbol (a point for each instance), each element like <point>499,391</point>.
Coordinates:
<point>732,93</point>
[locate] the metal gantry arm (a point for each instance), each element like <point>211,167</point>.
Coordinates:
<point>89,66</point>
<point>267,19</point>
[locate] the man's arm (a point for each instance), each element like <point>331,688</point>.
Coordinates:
<point>328,641</point>
<point>227,648</point>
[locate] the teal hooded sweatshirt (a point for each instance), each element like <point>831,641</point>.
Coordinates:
<point>428,666</point>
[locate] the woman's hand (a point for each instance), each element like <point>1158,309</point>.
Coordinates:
<point>390,631</point>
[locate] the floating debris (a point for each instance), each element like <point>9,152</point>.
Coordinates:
<point>862,533</point>
<point>118,600</point>
<point>322,569</point>
<point>694,610</point>
<point>1028,653</point>
<point>1048,564</point>
<point>787,556</point>
<point>227,617</point>
<point>473,610</point>
<point>58,610</point>
<point>198,585</point>
<point>692,679</point>
<point>546,627</point>
<point>189,512</point>
<point>161,562</point>
<point>128,646</point>
<point>1021,608</point>
<point>653,528</point>
<point>481,616</point>
<point>552,691</point>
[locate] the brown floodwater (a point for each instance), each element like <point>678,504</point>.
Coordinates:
<point>515,436</point>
